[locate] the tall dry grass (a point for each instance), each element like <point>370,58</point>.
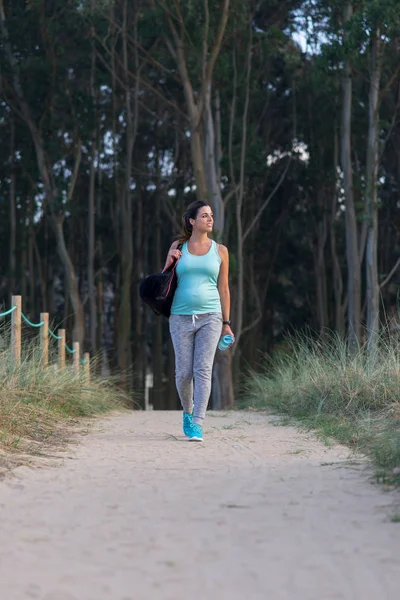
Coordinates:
<point>352,398</point>
<point>36,403</point>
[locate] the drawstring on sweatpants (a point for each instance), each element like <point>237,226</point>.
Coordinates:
<point>194,317</point>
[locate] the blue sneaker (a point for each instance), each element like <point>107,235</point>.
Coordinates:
<point>187,423</point>
<point>196,433</point>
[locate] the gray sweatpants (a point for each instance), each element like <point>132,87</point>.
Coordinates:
<point>195,339</point>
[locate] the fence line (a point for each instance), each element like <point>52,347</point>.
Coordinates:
<point>45,332</point>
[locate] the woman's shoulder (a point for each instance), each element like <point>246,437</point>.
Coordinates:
<point>175,244</point>
<point>223,250</point>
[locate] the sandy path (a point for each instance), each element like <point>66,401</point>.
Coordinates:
<point>134,513</point>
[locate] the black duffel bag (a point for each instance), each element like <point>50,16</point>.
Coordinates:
<point>157,291</point>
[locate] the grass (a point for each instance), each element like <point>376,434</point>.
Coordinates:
<point>354,399</point>
<point>37,404</point>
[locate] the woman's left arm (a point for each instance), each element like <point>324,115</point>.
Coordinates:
<point>223,288</point>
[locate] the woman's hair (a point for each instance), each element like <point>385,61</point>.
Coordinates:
<point>190,213</point>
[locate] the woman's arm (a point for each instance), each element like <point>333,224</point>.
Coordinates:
<point>172,253</point>
<point>223,288</point>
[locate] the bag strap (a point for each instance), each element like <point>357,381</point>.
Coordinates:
<point>179,246</point>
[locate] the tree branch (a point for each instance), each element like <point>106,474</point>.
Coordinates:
<point>268,200</point>
<point>392,125</point>
<point>75,173</point>
<point>213,58</point>
<point>231,121</point>
<point>134,77</point>
<point>178,54</point>
<point>205,36</point>
<point>389,277</point>
<point>229,195</point>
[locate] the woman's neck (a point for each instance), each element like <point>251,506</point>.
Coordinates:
<point>199,238</point>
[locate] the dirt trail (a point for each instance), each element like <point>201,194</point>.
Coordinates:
<point>135,512</point>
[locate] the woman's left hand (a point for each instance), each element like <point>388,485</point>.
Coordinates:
<point>226,330</point>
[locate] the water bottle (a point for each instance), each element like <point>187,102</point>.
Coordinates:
<point>225,342</point>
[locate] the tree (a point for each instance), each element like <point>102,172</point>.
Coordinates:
<point>50,188</point>
<point>352,251</point>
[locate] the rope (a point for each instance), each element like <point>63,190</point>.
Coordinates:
<point>8,312</point>
<point>53,335</point>
<point>28,322</point>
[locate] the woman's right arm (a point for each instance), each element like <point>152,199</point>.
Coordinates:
<point>172,253</point>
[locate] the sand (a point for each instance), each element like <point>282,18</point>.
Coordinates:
<point>132,511</point>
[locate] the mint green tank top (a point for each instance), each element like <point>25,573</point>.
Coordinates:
<point>197,291</point>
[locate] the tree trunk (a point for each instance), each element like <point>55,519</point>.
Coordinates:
<point>222,380</point>
<point>197,153</point>
<point>91,251</point>
<point>158,396</point>
<point>371,199</point>
<point>125,308</point>
<point>212,167</point>
<point>13,213</point>
<point>99,277</point>
<point>79,321</point>
<point>320,276</point>
<point>337,272</point>
<point>23,270</point>
<point>31,257</point>
<point>352,255</point>
<point>240,195</point>
<point>41,275</point>
<point>91,207</point>
<point>139,345</point>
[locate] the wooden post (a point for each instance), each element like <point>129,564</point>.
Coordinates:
<point>61,348</point>
<point>44,338</point>
<point>86,358</point>
<point>16,330</point>
<point>76,357</point>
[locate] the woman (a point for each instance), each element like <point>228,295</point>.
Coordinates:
<point>199,314</point>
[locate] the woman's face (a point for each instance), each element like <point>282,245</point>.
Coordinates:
<point>204,220</point>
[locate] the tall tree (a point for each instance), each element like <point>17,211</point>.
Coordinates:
<point>50,187</point>
<point>352,251</point>
<point>92,192</point>
<point>199,92</point>
<point>371,196</point>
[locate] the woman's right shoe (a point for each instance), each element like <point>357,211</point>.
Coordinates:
<point>187,423</point>
<point>196,433</point>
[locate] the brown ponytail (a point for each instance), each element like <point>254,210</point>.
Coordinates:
<point>190,213</point>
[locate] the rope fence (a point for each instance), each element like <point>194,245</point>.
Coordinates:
<point>8,312</point>
<point>28,322</point>
<point>17,316</point>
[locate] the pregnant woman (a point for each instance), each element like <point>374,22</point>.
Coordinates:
<point>200,312</point>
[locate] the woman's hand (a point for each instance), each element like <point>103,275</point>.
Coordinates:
<point>172,254</point>
<point>226,330</point>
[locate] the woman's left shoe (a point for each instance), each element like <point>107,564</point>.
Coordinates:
<point>196,433</point>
